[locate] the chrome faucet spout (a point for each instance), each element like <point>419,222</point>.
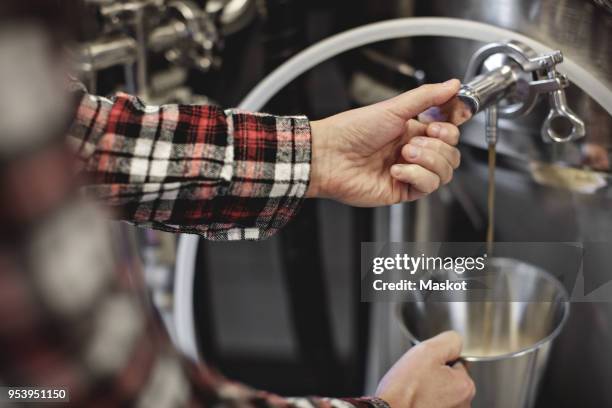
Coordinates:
<point>491,117</point>
<point>488,89</point>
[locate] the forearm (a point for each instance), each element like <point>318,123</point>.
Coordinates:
<point>221,174</point>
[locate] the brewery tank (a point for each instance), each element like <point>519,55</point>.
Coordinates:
<point>538,199</point>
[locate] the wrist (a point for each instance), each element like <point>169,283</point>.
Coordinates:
<point>319,176</point>
<point>394,397</point>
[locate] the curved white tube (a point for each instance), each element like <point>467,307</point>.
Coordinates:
<point>182,305</point>
<point>413,27</point>
<point>329,48</point>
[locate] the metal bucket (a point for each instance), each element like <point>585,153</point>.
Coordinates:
<point>506,343</point>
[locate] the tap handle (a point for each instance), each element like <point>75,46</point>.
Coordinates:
<point>561,124</point>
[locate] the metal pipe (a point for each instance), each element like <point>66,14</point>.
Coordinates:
<point>121,50</point>
<point>142,70</point>
<point>491,128</point>
<point>486,90</point>
<point>167,36</point>
<point>106,53</point>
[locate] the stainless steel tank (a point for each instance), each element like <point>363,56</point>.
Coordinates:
<point>581,29</point>
<point>545,191</point>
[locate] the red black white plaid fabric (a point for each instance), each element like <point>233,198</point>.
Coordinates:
<point>226,175</point>
<point>72,310</point>
<point>73,315</point>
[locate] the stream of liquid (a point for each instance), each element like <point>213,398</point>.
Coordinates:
<point>499,330</point>
<point>488,334</point>
<point>491,199</point>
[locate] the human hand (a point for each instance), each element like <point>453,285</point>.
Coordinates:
<point>422,378</point>
<point>379,155</point>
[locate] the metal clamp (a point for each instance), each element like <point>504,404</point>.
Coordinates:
<point>201,36</point>
<point>512,76</point>
<point>560,114</point>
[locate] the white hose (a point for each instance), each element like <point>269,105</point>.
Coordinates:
<point>413,27</point>
<point>182,305</point>
<point>331,47</point>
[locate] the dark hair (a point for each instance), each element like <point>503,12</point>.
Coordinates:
<point>60,18</point>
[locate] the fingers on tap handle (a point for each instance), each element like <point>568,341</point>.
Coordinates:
<point>454,111</point>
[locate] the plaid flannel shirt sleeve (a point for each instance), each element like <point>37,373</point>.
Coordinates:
<point>222,174</point>
<point>226,175</point>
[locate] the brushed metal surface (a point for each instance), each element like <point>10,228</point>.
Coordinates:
<point>505,344</point>
<point>577,27</point>
<point>581,29</point>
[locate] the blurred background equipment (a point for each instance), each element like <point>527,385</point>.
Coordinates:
<point>130,34</point>
<point>284,314</point>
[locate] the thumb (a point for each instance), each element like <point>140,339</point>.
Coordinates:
<point>446,347</point>
<point>409,104</point>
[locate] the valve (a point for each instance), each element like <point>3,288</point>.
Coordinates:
<point>510,76</point>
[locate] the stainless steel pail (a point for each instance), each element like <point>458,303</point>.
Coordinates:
<point>506,343</point>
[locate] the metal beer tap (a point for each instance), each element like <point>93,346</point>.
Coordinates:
<point>506,80</point>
